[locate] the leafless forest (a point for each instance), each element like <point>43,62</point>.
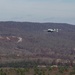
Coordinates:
<point>27,41</point>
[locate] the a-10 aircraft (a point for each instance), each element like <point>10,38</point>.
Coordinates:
<point>52,30</point>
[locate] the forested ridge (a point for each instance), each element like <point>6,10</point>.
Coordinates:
<point>36,42</point>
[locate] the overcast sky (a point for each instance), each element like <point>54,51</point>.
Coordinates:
<point>38,10</point>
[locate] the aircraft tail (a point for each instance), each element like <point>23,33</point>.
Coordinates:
<point>56,30</point>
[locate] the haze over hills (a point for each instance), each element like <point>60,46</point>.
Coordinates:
<point>28,39</point>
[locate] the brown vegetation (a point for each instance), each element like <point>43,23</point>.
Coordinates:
<point>36,42</point>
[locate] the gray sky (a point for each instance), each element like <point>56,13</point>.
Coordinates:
<point>38,10</point>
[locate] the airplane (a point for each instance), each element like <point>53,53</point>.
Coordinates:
<point>51,30</point>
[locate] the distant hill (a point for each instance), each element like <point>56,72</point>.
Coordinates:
<point>35,42</point>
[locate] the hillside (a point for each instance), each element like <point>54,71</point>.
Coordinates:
<point>27,39</point>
